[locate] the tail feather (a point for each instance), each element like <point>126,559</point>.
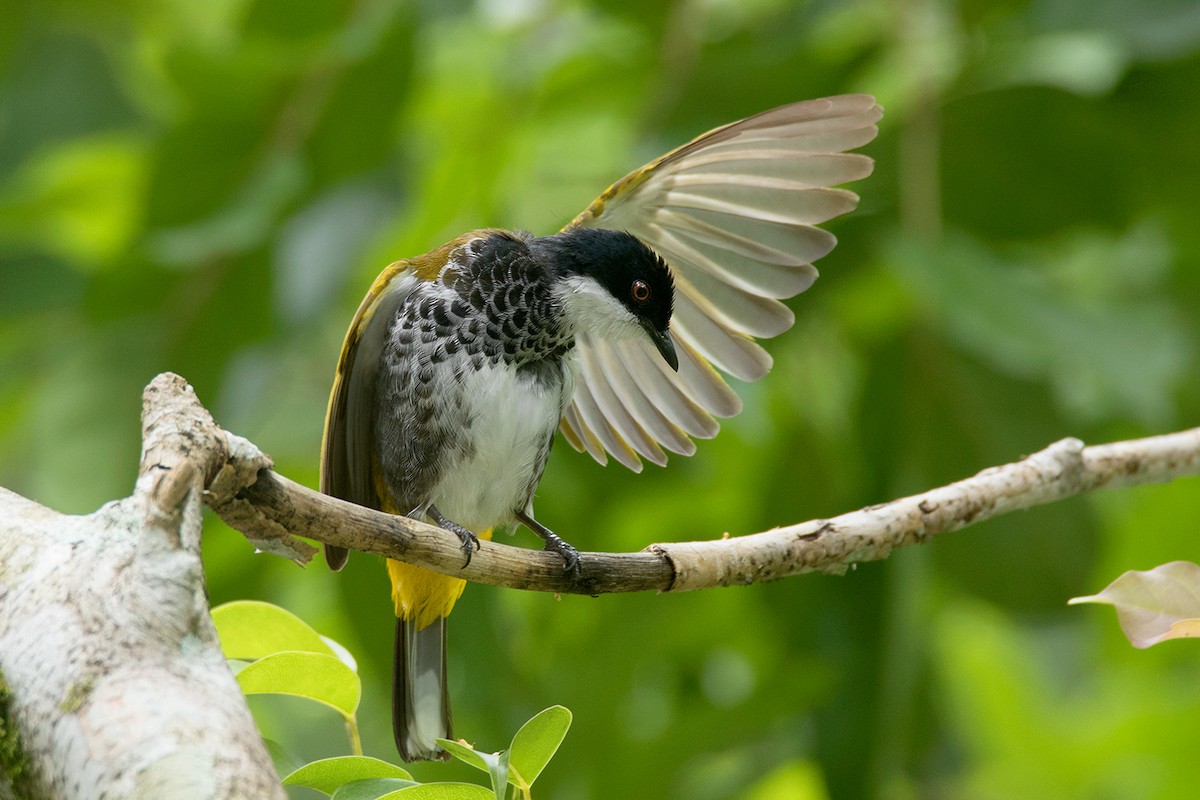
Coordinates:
<point>420,699</point>
<point>336,557</point>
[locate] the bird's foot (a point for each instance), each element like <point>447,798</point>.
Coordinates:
<point>570,555</point>
<point>555,544</point>
<point>470,542</point>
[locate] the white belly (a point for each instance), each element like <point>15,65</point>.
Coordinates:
<point>513,419</point>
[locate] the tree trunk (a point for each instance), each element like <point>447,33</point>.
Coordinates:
<point>112,681</point>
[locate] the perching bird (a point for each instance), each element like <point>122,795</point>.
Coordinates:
<point>461,363</point>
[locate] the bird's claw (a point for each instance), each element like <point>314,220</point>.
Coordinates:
<point>555,544</point>
<point>569,555</point>
<point>470,542</point>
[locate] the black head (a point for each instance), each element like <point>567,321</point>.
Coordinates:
<point>631,272</point>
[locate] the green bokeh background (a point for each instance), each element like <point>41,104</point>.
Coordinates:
<point>209,188</point>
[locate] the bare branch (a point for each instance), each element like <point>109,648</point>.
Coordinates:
<point>269,509</point>
<point>1063,469</point>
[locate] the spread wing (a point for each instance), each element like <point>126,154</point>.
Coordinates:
<point>346,448</point>
<point>734,213</point>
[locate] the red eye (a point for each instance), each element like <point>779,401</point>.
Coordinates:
<point>640,291</point>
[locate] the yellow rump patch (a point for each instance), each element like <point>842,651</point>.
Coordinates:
<point>421,596</point>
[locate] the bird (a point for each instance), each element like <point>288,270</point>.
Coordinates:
<point>460,365</point>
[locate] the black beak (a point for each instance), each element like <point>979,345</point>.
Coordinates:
<point>662,340</point>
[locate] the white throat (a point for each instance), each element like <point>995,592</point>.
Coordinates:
<point>590,308</point>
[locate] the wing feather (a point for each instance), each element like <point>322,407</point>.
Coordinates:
<point>645,367</point>
<point>730,352</point>
<point>346,446</point>
<point>745,163</point>
<point>733,307</point>
<point>654,421</point>
<point>699,380</point>
<point>594,421</point>
<point>613,409</point>
<point>581,437</point>
<point>734,213</point>
<point>738,269</point>
<point>742,201</point>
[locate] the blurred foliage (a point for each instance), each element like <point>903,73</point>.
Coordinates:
<point>209,187</point>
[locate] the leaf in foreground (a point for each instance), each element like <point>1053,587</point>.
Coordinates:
<point>1156,605</point>
<point>251,629</point>
<point>285,761</point>
<point>494,764</point>
<point>536,743</point>
<point>442,791</point>
<point>328,774</point>
<point>465,754</point>
<point>371,789</point>
<point>313,675</point>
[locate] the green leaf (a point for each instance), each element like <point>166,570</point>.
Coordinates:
<point>494,764</point>
<point>327,774</point>
<point>465,754</point>
<point>250,629</point>
<point>441,791</point>
<point>536,743</point>
<point>285,761</point>
<point>1156,605</point>
<point>371,788</point>
<point>497,764</point>
<point>316,676</point>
